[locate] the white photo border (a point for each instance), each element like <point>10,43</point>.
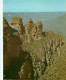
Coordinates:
<point>1,39</point>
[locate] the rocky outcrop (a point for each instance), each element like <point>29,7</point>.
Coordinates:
<point>33,31</point>
<point>31,52</point>
<point>14,57</point>
<point>7,30</point>
<point>16,23</point>
<point>29,32</point>
<point>11,48</point>
<point>43,52</point>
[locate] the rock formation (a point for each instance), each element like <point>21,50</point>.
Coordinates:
<point>43,52</point>
<point>32,31</point>
<point>14,57</point>
<point>35,30</point>
<point>36,52</point>
<point>16,23</point>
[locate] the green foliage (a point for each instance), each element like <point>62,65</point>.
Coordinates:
<point>56,71</point>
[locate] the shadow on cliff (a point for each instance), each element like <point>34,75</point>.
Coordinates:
<point>14,57</point>
<point>15,66</point>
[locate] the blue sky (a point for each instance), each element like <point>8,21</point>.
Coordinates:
<point>34,5</point>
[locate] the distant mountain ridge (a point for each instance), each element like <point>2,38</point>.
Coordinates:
<point>35,16</point>
<point>58,25</point>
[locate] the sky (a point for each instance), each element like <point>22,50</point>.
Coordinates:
<point>34,5</point>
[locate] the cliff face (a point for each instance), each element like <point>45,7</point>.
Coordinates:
<point>43,52</point>
<point>56,71</point>
<point>32,31</point>
<point>11,46</point>
<point>43,47</point>
<point>14,57</point>
<point>16,23</point>
<point>38,50</point>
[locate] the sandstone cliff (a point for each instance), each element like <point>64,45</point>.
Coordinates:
<point>14,57</point>
<point>44,51</point>
<point>37,51</point>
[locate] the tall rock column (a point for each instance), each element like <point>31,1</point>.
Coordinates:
<point>16,23</point>
<point>28,30</point>
<point>39,29</point>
